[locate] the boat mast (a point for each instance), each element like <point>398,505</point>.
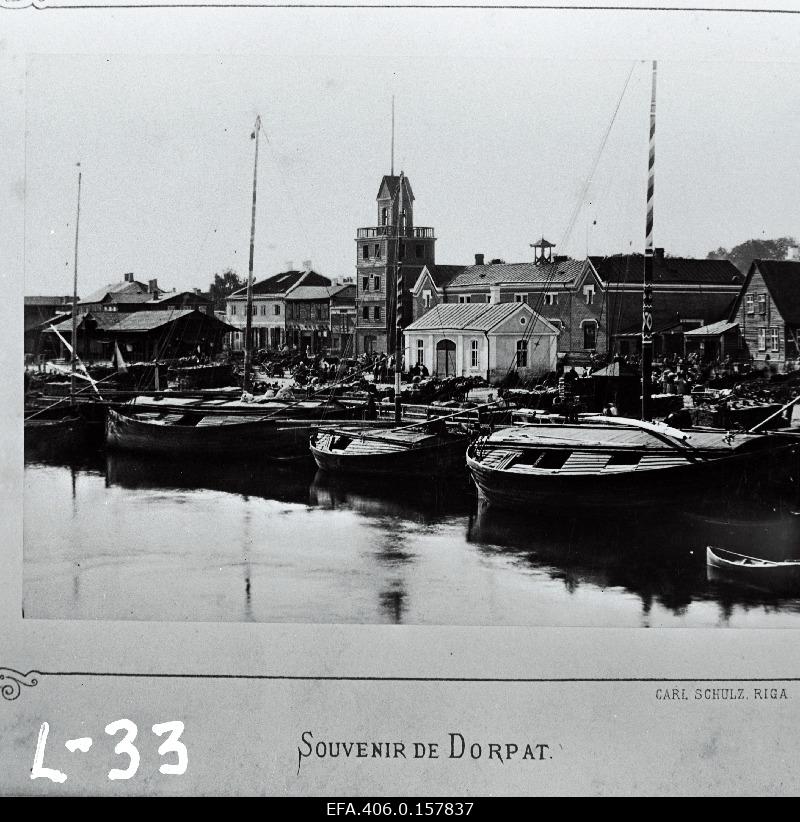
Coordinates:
<point>74,340</point>
<point>248,333</point>
<point>647,286</point>
<point>398,307</point>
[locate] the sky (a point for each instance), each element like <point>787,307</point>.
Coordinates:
<point>500,119</point>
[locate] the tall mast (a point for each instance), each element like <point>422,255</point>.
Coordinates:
<point>392,165</point>
<point>647,286</point>
<point>73,339</point>
<point>248,333</point>
<point>398,305</point>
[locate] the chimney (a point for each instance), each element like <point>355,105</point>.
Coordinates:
<point>479,259</point>
<point>129,277</point>
<point>152,286</point>
<point>306,265</point>
<point>290,265</point>
<point>197,291</point>
<point>659,254</point>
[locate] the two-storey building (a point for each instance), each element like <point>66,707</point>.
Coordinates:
<point>768,313</point>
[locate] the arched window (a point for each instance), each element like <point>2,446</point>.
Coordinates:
<point>445,358</point>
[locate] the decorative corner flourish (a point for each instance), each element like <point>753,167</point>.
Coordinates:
<point>12,680</point>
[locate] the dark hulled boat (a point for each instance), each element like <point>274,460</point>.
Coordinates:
<point>427,450</point>
<point>623,463</point>
<point>196,435</point>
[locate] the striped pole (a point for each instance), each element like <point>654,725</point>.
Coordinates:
<point>398,305</point>
<point>248,328</point>
<point>647,285</point>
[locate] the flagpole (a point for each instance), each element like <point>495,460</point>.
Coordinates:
<point>75,298</point>
<point>398,307</point>
<point>248,333</point>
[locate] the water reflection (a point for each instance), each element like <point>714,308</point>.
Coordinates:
<point>108,536</point>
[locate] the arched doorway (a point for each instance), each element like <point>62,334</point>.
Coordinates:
<point>445,358</point>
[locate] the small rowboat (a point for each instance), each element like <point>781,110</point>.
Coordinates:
<point>757,572</point>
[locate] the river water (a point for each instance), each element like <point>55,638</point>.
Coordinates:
<point>122,537</point>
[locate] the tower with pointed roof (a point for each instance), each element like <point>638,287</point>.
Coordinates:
<point>376,250</point>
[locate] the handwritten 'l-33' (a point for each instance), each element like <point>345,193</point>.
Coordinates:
<point>124,747</point>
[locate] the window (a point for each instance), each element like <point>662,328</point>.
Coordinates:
<point>233,309</point>
<point>420,251</point>
<point>762,303</point>
<point>255,310</point>
<point>365,283</point>
<point>263,310</point>
<point>376,283</point>
<point>589,335</point>
<point>522,353</point>
<point>420,352</point>
<point>365,312</point>
<point>465,298</point>
<point>474,354</point>
<point>557,323</point>
<point>520,298</point>
<point>365,252</point>
<point>376,312</point>
<point>277,309</point>
<point>551,299</point>
<point>762,339</point>
<point>774,339</point>
<point>426,299</point>
<point>377,251</point>
<point>749,303</point>
<point>588,292</point>
<point>319,312</point>
<point>384,216</point>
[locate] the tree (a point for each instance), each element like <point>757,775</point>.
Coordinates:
<point>224,284</point>
<point>743,254</point>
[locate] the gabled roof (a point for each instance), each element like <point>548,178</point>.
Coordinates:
<point>629,268</point>
<point>165,298</point>
<point>472,317</point>
<point>443,274</point>
<point>716,329</point>
<point>782,278</point>
<point>391,184</point>
<point>125,287</point>
<point>48,301</point>
<point>137,321</point>
<point>279,284</point>
<point>555,273</point>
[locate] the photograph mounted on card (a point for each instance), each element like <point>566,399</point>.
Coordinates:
<point>384,378</point>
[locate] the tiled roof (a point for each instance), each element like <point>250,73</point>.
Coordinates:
<point>444,274</point>
<point>281,283</point>
<point>564,271</point>
<point>467,316</point>
<point>124,287</point>
<point>782,278</point>
<point>629,268</point>
<point>310,292</point>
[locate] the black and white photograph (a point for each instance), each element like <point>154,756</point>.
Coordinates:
<point>418,319</point>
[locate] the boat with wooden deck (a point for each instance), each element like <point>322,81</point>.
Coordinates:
<point>192,433</point>
<point>430,449</point>
<point>614,461</point>
<point>620,462</point>
<point>759,572</point>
